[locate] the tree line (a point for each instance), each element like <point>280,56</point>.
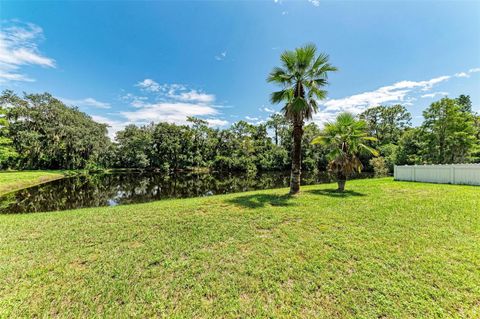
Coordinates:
<point>38,131</point>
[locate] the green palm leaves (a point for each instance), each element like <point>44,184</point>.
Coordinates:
<point>345,138</point>
<point>302,76</point>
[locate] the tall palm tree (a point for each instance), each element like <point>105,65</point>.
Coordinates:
<point>345,138</point>
<point>302,76</point>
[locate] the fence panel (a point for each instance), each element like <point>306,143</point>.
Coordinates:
<point>468,174</point>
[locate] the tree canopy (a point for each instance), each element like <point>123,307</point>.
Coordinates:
<point>37,131</point>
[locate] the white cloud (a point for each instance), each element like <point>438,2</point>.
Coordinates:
<point>166,92</point>
<point>399,92</point>
<point>19,47</point>
<point>149,85</point>
<point>266,109</point>
<point>254,120</point>
<point>396,92</point>
<point>462,75</point>
<point>432,95</point>
<point>316,3</point>
<point>474,70</point>
<point>194,95</point>
<point>169,102</point>
<point>88,102</point>
<point>134,100</point>
<point>216,122</point>
<point>168,112</point>
<point>221,56</point>
<point>114,126</point>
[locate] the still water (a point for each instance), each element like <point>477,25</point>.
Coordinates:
<point>127,188</point>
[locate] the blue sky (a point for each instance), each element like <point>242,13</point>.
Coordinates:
<point>140,61</point>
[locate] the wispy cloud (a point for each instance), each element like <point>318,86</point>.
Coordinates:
<point>18,48</point>
<point>255,120</point>
<point>266,109</point>
<point>149,85</point>
<point>434,94</point>
<point>462,75</point>
<point>168,102</point>
<point>87,102</point>
<point>168,112</point>
<point>134,100</point>
<point>316,3</point>
<point>403,92</point>
<point>217,122</point>
<point>396,92</point>
<point>221,56</point>
<point>178,92</point>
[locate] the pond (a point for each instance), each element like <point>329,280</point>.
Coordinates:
<point>137,187</point>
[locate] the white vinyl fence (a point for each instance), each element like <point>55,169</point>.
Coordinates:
<point>468,174</point>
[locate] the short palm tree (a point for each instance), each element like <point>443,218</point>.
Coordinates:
<point>345,138</point>
<point>302,76</point>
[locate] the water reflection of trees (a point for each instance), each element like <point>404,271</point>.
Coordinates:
<point>126,188</point>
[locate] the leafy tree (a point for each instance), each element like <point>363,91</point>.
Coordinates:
<point>170,145</point>
<point>465,103</point>
<point>302,76</point>
<point>204,142</point>
<point>387,123</point>
<point>345,139</point>
<point>449,132</point>
<point>50,135</point>
<point>133,146</point>
<point>278,123</point>
<point>236,148</point>
<point>7,151</point>
<point>411,147</point>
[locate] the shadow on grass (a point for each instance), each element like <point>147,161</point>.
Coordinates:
<point>334,193</point>
<point>261,200</point>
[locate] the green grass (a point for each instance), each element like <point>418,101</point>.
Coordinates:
<point>14,180</point>
<point>383,249</point>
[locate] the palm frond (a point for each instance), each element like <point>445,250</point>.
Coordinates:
<point>305,56</point>
<point>368,149</point>
<point>281,96</point>
<point>289,59</point>
<point>280,76</point>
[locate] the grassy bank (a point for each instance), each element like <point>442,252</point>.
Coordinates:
<point>14,180</point>
<point>383,249</point>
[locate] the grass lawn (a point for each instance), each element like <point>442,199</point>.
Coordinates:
<point>15,180</point>
<point>383,249</point>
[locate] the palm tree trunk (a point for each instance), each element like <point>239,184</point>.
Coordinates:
<point>341,180</point>
<point>296,158</point>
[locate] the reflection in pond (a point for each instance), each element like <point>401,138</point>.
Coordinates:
<point>126,188</point>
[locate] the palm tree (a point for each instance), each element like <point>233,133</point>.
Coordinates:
<point>345,140</point>
<point>302,76</point>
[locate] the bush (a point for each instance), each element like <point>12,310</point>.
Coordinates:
<point>379,166</point>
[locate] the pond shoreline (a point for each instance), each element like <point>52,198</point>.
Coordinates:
<point>37,178</point>
<point>110,188</point>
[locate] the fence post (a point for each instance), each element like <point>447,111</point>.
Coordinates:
<point>452,174</point>
<point>414,172</point>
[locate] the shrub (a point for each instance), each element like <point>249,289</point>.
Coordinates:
<point>379,166</point>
